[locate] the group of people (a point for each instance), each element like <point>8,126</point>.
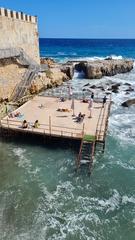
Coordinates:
<point>25,124</point>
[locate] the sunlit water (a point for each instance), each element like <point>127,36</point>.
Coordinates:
<point>43,198</point>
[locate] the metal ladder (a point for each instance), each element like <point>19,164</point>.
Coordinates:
<point>86,154</point>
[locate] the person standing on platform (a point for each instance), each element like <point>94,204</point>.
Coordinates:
<point>104,101</point>
<point>70,93</point>
<point>90,107</point>
<point>92,96</point>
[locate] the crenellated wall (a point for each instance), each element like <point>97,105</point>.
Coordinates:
<point>19,30</point>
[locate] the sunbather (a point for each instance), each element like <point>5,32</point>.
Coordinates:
<point>36,124</point>
<point>24,124</point>
<point>80,117</point>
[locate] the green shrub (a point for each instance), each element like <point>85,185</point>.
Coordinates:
<point>89,138</point>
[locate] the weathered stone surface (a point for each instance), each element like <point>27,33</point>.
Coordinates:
<point>20,33</point>
<point>68,69</point>
<point>48,61</point>
<point>98,69</point>
<point>44,80</point>
<point>128,103</point>
<point>114,88</point>
<point>11,73</point>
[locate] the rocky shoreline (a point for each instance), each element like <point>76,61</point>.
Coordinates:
<point>98,69</point>
<point>53,74</point>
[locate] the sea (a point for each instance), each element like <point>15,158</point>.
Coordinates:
<point>42,197</point>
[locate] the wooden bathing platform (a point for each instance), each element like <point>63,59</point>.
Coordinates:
<point>56,120</point>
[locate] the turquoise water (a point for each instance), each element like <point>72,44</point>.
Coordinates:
<point>43,198</point>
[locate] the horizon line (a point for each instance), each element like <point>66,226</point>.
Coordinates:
<point>87,38</point>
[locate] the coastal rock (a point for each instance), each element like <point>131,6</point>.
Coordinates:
<point>114,88</point>
<point>130,89</point>
<point>48,61</point>
<point>86,85</point>
<point>128,103</point>
<point>68,69</point>
<point>93,71</point>
<point>127,84</point>
<point>93,86</point>
<point>99,69</point>
<point>47,80</point>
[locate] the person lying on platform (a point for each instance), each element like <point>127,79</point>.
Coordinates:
<point>36,124</point>
<point>63,110</point>
<point>16,114</point>
<point>24,124</point>
<point>80,117</point>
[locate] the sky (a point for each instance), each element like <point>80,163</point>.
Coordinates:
<point>80,18</point>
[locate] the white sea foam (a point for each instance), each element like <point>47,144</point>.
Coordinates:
<point>94,58</point>
<point>126,199</point>
<point>78,75</point>
<point>24,162</point>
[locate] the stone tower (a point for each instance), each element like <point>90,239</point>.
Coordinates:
<point>19,30</point>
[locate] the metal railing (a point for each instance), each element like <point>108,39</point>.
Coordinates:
<point>46,129</point>
<point>100,133</point>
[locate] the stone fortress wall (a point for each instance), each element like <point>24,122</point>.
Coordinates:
<point>19,30</point>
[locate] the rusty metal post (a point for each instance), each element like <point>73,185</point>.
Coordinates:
<point>50,125</point>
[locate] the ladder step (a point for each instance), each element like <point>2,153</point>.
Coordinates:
<point>86,158</point>
<point>84,161</point>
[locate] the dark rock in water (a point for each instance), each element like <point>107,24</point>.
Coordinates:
<point>115,91</point>
<point>127,84</point>
<point>86,85</point>
<point>84,90</point>
<point>127,93</point>
<point>114,88</point>
<point>101,87</point>
<point>117,85</point>
<point>107,93</point>
<point>93,86</point>
<point>128,103</point>
<point>108,58</point>
<point>130,89</point>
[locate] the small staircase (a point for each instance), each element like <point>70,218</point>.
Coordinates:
<point>86,155</point>
<point>32,69</point>
<point>23,86</point>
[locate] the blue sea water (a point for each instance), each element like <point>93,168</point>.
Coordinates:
<point>63,49</point>
<point>41,196</point>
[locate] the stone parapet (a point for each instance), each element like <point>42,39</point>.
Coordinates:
<point>17,15</point>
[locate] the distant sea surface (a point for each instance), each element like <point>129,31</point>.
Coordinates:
<point>42,197</point>
<point>63,49</point>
